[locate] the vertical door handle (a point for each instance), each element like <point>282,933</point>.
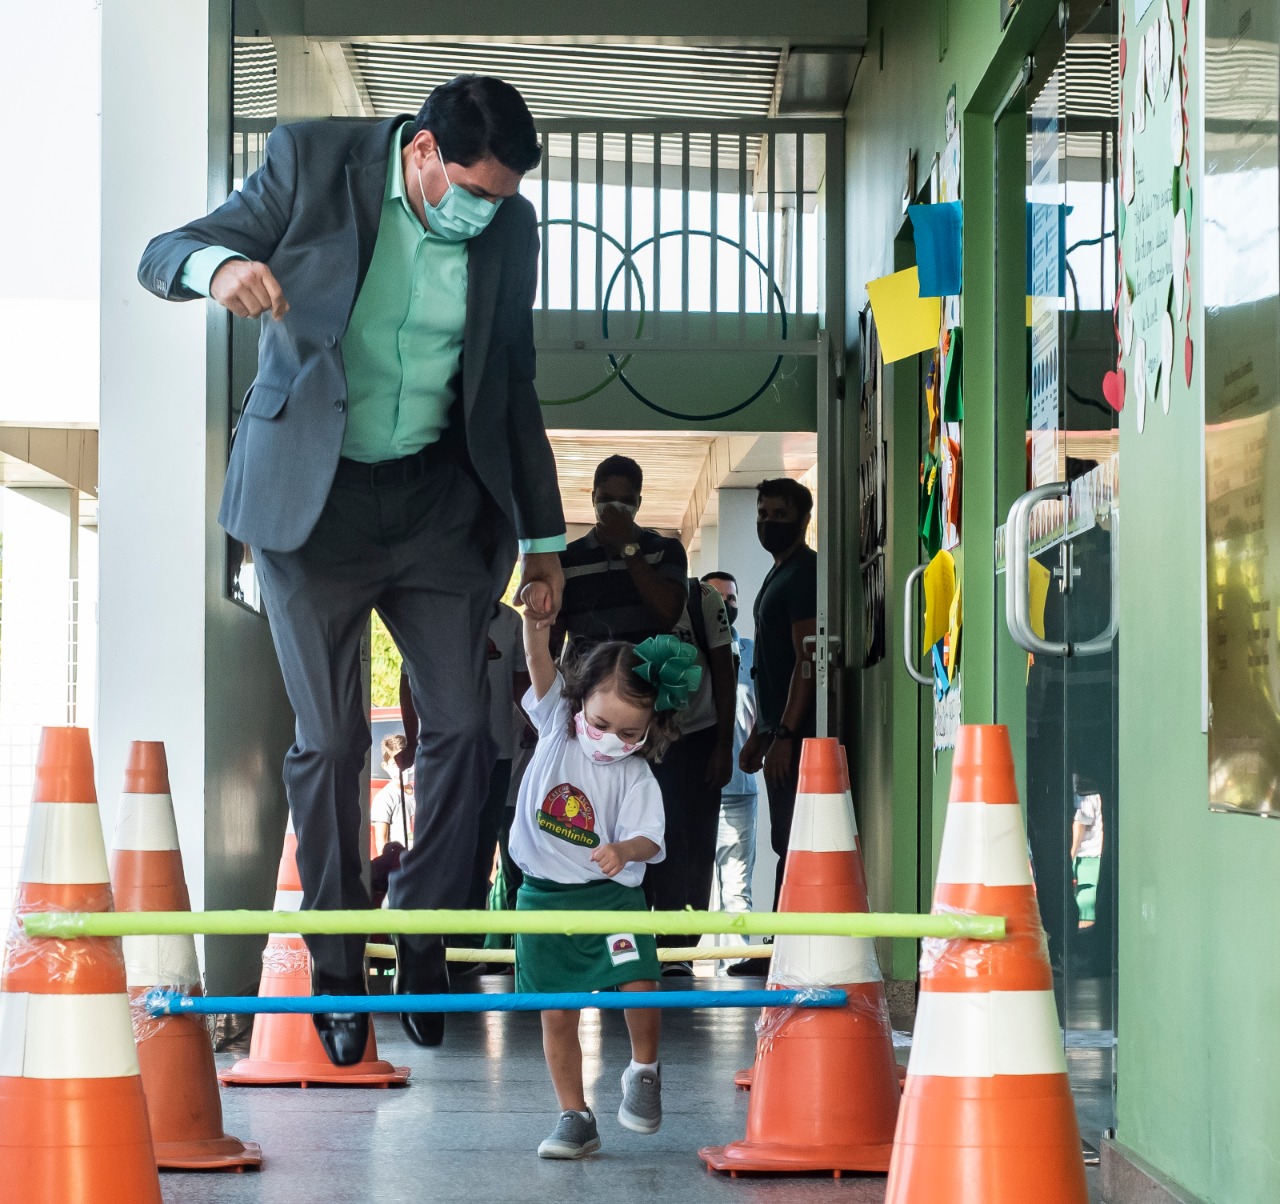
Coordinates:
<point>1017,556</point>
<point>909,634</point>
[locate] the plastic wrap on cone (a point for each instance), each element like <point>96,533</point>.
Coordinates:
<point>987,1114</point>
<point>73,1119</point>
<point>175,1054</point>
<point>825,1087</point>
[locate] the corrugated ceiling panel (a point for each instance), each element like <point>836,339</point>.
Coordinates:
<point>579,81</point>
<point>255,79</point>
<point>672,466</point>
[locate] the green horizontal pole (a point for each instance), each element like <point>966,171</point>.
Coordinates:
<point>659,923</point>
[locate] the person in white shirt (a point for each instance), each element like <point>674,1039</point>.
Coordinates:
<point>391,812</point>
<point>589,819</point>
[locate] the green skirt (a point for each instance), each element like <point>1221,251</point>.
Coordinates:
<point>1086,872</point>
<point>589,962</point>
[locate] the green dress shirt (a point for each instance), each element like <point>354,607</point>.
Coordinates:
<point>403,345</point>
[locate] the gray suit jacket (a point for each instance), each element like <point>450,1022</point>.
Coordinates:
<point>311,213</point>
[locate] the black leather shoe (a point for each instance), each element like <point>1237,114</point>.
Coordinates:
<point>419,973</point>
<point>344,1035</point>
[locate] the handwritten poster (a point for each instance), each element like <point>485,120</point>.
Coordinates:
<point>1151,300</point>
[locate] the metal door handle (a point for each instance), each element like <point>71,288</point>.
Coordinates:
<point>1017,558</point>
<point>909,635</point>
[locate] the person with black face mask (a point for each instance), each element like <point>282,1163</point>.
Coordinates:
<point>786,614</point>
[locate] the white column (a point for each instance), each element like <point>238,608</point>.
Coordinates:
<point>740,552</point>
<point>178,661</point>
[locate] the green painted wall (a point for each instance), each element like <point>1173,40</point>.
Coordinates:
<point>1199,949</point>
<point>1199,946</point>
<point>918,49</point>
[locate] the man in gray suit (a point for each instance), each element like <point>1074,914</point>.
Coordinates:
<point>390,453</point>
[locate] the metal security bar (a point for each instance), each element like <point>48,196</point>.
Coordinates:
<point>648,225</point>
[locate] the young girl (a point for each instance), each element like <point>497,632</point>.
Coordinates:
<point>588,820</point>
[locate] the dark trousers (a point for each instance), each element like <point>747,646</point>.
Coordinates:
<point>413,551</point>
<point>495,804</point>
<point>692,812</point>
<point>782,806</point>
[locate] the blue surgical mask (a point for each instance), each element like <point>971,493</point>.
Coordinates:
<point>459,215</point>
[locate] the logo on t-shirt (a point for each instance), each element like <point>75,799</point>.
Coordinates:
<point>567,814</point>
<point>622,948</point>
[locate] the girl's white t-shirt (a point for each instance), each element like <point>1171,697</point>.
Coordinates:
<point>569,805</point>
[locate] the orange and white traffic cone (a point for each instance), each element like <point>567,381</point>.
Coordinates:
<point>285,1049</point>
<point>73,1120</point>
<point>174,1052</point>
<point>744,1078</point>
<point>825,1091</point>
<point>987,1115</point>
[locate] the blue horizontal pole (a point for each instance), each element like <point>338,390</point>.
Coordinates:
<point>172,1003</point>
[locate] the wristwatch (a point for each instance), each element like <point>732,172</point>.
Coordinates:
<point>783,732</point>
<point>629,550</point>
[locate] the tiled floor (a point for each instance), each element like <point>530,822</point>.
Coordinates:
<point>468,1126</point>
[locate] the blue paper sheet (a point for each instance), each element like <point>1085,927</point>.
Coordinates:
<point>939,235</point>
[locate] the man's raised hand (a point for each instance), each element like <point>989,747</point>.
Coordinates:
<point>248,289</point>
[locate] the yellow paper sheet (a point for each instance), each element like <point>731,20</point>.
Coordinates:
<point>1037,596</point>
<point>939,593</point>
<point>953,636</point>
<point>906,322</point>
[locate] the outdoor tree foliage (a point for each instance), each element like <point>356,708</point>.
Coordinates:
<point>384,667</point>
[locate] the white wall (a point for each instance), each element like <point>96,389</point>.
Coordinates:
<point>49,269</point>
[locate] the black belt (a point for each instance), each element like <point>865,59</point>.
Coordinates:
<point>386,474</point>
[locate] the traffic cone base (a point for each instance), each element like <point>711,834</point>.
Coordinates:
<point>828,1074</point>
<point>176,1058</point>
<point>825,1086</point>
<point>72,1140</point>
<point>977,1139</point>
<point>175,1055</point>
<point>987,1115</point>
<point>73,1117</point>
<point>285,1050</point>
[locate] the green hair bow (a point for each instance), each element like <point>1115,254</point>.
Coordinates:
<point>667,662</point>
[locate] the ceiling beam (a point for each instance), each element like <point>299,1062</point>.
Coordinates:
<point>674,22</point>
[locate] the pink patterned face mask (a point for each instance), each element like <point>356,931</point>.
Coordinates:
<point>603,747</point>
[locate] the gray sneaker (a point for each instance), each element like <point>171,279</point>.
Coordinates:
<point>641,1109</point>
<point>573,1137</point>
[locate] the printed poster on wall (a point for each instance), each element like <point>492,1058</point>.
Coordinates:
<point>1153,300</point>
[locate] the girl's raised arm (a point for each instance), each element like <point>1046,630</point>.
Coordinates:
<point>537,647</point>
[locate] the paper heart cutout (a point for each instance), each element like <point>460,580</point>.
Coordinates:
<point>1113,389</point>
<point>1188,357</point>
<point>1124,53</point>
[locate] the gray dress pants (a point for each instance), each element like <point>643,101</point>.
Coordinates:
<point>414,550</point>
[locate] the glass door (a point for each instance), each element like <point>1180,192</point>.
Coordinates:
<point>1058,456</point>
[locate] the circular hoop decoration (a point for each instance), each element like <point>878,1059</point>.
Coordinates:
<point>620,368</point>
<point>635,272</point>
